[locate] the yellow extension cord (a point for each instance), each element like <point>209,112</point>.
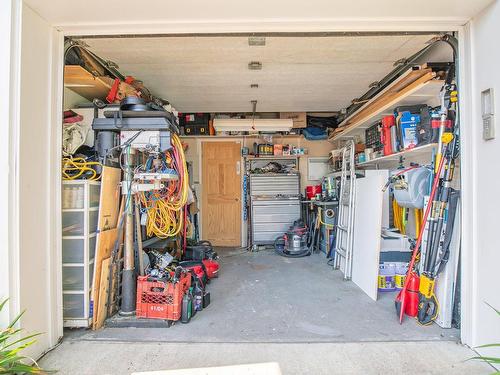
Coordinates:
<point>80,166</point>
<point>399,218</point>
<point>165,217</point>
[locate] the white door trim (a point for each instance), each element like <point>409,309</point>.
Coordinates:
<point>437,24</point>
<point>286,25</point>
<point>468,176</point>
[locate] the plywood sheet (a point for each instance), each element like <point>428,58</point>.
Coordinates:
<point>110,198</point>
<point>103,294</point>
<point>79,80</point>
<point>104,247</point>
<point>367,227</point>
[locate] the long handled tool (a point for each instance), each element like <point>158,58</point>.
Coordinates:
<point>428,305</point>
<point>448,97</point>
<point>402,296</point>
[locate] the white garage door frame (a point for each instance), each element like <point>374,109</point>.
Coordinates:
<point>393,25</point>
<point>352,26</point>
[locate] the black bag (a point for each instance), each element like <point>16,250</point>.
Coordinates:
<point>202,250</point>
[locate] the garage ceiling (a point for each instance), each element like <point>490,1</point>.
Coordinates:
<point>210,73</point>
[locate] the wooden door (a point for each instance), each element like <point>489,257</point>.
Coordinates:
<point>221,193</point>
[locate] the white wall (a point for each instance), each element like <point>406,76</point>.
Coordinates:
<point>9,21</point>
<point>484,32</point>
<point>38,252</point>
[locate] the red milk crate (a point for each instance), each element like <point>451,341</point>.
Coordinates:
<point>159,299</point>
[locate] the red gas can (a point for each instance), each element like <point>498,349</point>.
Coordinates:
<point>411,304</point>
<point>211,268</point>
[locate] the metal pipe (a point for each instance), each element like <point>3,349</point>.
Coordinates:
<point>129,277</point>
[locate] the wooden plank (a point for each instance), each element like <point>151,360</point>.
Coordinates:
<point>402,81</point>
<point>105,243</point>
<point>79,80</point>
<point>103,294</point>
<point>109,198</point>
<point>391,96</point>
<point>367,229</point>
<point>417,92</point>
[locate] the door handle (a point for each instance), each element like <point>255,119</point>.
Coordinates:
<point>238,168</point>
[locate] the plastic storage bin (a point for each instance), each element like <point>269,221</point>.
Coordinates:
<point>74,306</point>
<point>80,202</point>
<point>161,300</point>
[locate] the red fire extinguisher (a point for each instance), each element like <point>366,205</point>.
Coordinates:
<point>385,136</point>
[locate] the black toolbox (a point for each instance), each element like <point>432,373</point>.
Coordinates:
<point>195,123</point>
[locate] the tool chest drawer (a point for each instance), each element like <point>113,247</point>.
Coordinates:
<point>274,185</point>
<point>271,218</point>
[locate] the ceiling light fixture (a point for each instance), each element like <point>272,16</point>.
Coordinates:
<point>254,85</point>
<point>250,124</point>
<point>253,124</point>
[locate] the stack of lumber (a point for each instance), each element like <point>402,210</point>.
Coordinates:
<point>406,83</point>
<point>108,249</point>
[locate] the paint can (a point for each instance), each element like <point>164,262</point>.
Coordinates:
<point>386,277</point>
<point>400,277</point>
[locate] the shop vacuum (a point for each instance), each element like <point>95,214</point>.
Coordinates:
<point>295,242</point>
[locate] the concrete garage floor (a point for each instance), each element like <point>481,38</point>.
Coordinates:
<point>298,312</point>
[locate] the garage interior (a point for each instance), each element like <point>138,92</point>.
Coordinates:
<point>308,161</point>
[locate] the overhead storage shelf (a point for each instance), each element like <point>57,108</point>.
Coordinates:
<point>410,155</point>
<point>81,81</point>
<point>414,87</point>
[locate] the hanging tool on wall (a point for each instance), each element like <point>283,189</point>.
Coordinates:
<point>447,152</point>
<point>428,305</point>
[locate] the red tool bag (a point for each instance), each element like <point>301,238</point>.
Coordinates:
<point>161,299</point>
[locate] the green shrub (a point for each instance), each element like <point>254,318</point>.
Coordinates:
<point>12,343</point>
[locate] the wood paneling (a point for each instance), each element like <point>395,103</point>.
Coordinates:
<point>109,198</point>
<point>105,244</point>
<point>102,307</point>
<point>84,83</point>
<point>221,193</point>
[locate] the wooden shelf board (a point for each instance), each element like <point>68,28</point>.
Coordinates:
<point>79,80</point>
<point>426,92</point>
<point>406,154</point>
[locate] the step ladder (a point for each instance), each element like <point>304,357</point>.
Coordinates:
<point>345,223</point>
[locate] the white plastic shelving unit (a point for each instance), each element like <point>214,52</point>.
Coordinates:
<point>80,213</point>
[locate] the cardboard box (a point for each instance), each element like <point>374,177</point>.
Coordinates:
<point>278,149</point>
<point>299,118</point>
